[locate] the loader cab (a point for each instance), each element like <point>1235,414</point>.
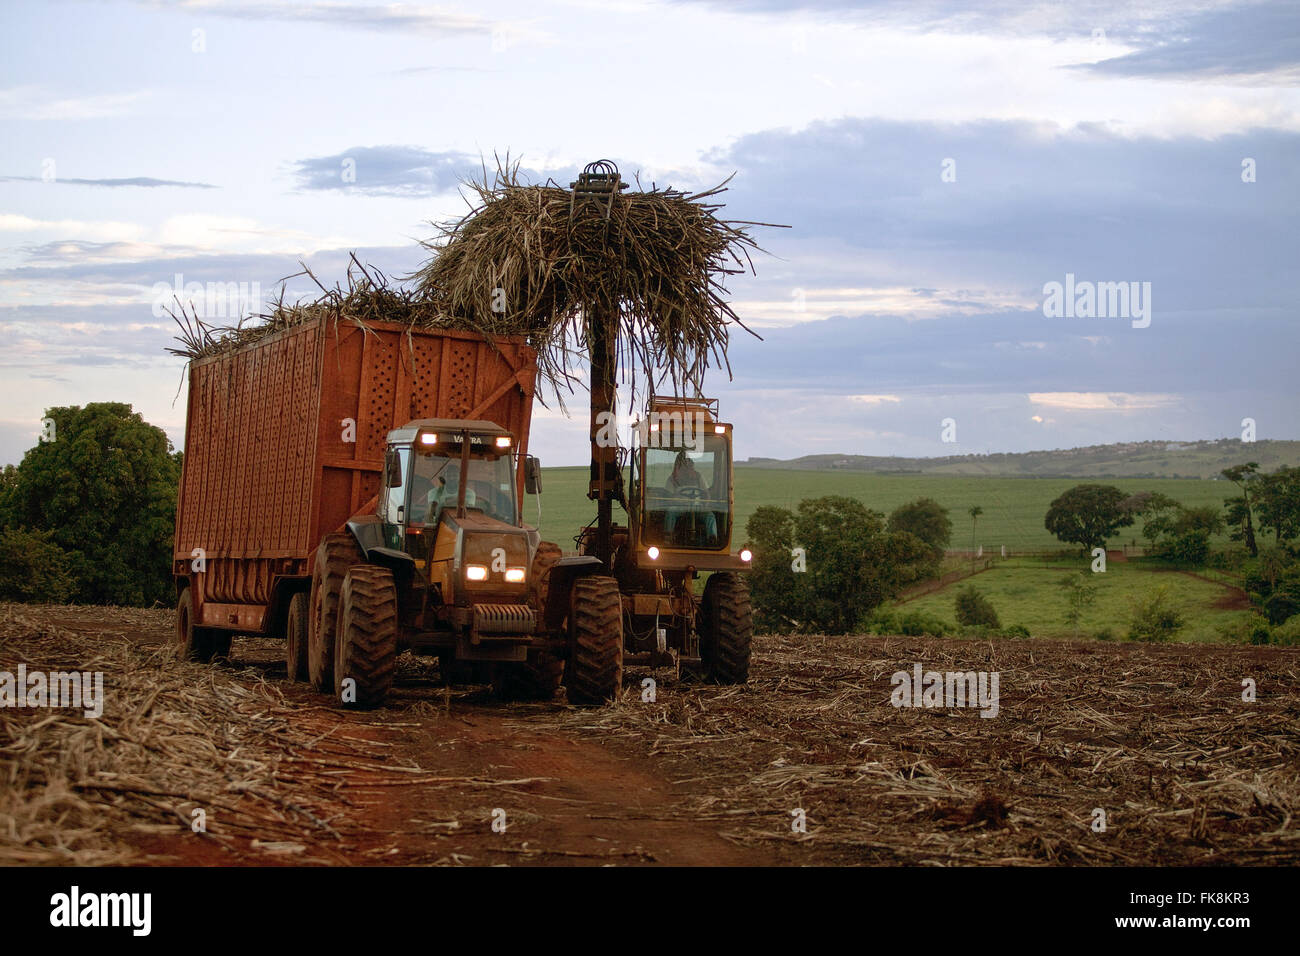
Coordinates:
<point>681,488</point>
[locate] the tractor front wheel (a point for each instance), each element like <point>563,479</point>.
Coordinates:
<point>594,673</point>
<point>726,628</point>
<point>367,637</point>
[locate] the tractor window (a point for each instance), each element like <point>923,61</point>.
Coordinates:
<point>394,493</point>
<point>687,495</point>
<point>490,489</point>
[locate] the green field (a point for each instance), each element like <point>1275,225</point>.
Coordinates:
<point>1013,507</point>
<point>1024,591</point>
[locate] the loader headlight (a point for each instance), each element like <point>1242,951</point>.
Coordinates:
<point>652,553</point>
<point>746,555</point>
<point>475,572</point>
<point>514,575</point>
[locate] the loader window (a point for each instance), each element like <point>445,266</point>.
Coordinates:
<point>686,495</point>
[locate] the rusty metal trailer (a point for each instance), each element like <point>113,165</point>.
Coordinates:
<point>285,441</point>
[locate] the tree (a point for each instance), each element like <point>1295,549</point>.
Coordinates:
<point>105,492</point>
<point>33,568</point>
<point>973,609</point>
<point>928,520</point>
<point>1088,514</point>
<point>1277,500</point>
<point>853,565</point>
<point>1152,619</point>
<point>1079,595</point>
<point>974,511</point>
<point>1239,509</point>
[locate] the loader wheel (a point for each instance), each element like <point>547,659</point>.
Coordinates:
<point>726,626</point>
<point>367,635</point>
<point>295,645</point>
<point>337,553</point>
<point>537,678</point>
<point>539,580</point>
<point>595,669</point>
<point>197,643</point>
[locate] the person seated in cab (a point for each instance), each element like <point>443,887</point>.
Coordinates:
<point>686,483</point>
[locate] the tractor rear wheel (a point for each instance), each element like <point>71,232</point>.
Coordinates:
<point>197,643</point>
<point>367,636</point>
<point>595,668</point>
<point>295,645</point>
<point>336,553</point>
<point>726,628</point>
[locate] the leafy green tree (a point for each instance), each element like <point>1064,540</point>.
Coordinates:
<point>1277,501</point>
<point>1153,619</point>
<point>928,520</point>
<point>973,609</point>
<point>853,565</point>
<point>33,568</point>
<point>105,492</point>
<point>1240,510</point>
<point>1088,514</point>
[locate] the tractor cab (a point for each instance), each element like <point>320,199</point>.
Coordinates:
<point>681,489</point>
<point>449,500</point>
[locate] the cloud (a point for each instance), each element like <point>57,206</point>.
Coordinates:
<point>1094,401</point>
<point>401,171</point>
<point>871,215</point>
<point>139,181</point>
<point>391,17</point>
<point>35,103</point>
<point>1259,41</point>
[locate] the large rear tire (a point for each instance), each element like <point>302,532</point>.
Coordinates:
<point>197,643</point>
<point>335,555</point>
<point>726,628</point>
<point>367,636</point>
<point>594,673</point>
<point>295,644</point>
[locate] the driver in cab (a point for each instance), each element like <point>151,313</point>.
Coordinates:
<point>686,483</point>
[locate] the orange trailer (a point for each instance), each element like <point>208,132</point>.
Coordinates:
<point>285,442</point>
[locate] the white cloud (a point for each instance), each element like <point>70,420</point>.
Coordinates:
<point>1103,401</point>
<point>36,103</point>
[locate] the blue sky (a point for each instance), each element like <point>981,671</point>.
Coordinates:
<point>938,162</point>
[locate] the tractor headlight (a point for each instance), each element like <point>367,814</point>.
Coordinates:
<point>514,575</point>
<point>746,555</point>
<point>652,553</point>
<point>475,572</point>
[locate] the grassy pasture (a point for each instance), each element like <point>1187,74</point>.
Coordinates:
<point>1013,507</point>
<point>1024,591</point>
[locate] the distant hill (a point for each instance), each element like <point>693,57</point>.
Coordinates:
<point>1147,459</point>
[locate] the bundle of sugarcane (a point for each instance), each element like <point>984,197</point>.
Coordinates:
<point>367,296</point>
<point>549,262</point>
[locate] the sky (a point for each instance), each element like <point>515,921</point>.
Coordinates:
<point>940,165</point>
